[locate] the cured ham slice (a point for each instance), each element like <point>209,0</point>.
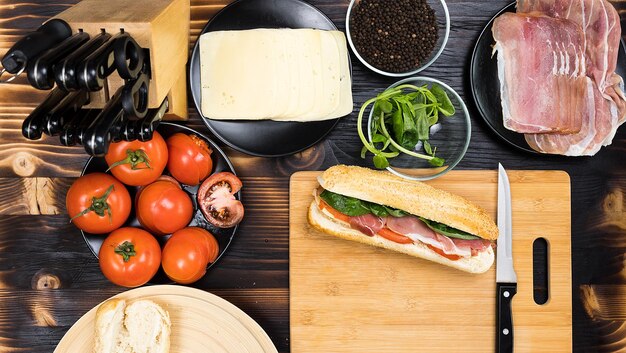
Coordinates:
<point>414,228</point>
<point>600,24</point>
<point>367,224</point>
<point>542,72</point>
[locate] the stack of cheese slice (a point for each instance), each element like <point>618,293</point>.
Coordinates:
<point>278,74</point>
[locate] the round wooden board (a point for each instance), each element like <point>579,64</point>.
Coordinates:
<point>201,322</point>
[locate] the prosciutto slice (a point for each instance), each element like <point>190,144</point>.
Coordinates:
<point>542,72</point>
<point>414,228</point>
<point>367,224</point>
<point>604,97</point>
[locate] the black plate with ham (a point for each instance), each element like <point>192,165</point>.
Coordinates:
<point>485,86</point>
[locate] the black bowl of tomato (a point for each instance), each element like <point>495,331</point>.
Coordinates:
<point>219,163</point>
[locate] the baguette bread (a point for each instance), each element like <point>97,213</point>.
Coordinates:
<point>139,327</point>
<point>414,197</point>
<point>327,224</point>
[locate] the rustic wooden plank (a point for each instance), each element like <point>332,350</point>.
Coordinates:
<point>43,315</point>
<point>33,196</point>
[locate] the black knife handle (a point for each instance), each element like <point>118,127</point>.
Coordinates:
<point>98,65</point>
<point>65,72</point>
<point>34,43</point>
<point>33,125</point>
<point>504,317</point>
<point>40,72</point>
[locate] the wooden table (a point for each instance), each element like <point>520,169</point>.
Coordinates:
<point>49,278</point>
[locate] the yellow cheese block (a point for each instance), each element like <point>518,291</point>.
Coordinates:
<point>278,74</point>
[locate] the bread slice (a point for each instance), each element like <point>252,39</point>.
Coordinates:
<point>414,197</point>
<point>139,327</point>
<point>327,224</point>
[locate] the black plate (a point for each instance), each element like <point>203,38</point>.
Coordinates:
<point>264,138</point>
<point>485,85</point>
<point>221,163</point>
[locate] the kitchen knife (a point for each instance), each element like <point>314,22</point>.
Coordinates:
<point>506,279</point>
<point>65,71</point>
<point>64,111</point>
<point>32,44</point>
<point>33,125</point>
<point>40,71</point>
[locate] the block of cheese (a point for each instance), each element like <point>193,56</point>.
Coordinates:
<point>277,74</point>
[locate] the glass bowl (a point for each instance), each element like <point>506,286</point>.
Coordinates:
<point>451,135</point>
<point>443,23</point>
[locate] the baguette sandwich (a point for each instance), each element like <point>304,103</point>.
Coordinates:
<point>141,326</point>
<point>384,210</point>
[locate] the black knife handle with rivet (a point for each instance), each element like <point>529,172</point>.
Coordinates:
<point>34,43</point>
<point>40,72</point>
<point>504,319</point>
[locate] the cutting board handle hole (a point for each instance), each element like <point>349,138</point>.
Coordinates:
<point>540,271</point>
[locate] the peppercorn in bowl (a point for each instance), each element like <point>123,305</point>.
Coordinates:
<point>397,37</point>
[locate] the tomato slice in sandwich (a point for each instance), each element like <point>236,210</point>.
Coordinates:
<point>394,237</point>
<point>440,252</point>
<point>340,216</point>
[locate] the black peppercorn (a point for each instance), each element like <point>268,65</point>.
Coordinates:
<point>394,35</point>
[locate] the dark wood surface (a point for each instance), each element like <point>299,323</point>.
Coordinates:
<point>48,277</point>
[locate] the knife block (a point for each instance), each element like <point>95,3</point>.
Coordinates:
<point>161,27</point>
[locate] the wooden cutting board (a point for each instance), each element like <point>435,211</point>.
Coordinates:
<point>350,297</point>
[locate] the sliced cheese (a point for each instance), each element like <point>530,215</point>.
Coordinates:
<point>279,74</point>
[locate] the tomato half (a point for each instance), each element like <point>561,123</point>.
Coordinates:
<point>187,253</point>
<point>98,203</point>
<point>189,158</point>
<point>129,257</point>
<point>163,207</point>
<point>216,199</point>
<point>137,163</point>
<point>394,237</point>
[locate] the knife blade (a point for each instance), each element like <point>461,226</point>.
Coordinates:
<point>506,279</point>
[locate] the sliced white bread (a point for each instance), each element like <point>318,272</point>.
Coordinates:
<point>141,326</point>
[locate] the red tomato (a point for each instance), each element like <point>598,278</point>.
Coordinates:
<point>129,257</point>
<point>187,253</point>
<point>340,216</point>
<point>394,237</point>
<point>216,199</point>
<point>163,207</point>
<point>137,163</point>
<point>440,252</point>
<point>189,158</point>
<point>98,203</point>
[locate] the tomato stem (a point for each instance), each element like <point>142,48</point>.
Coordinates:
<point>126,250</point>
<point>99,205</point>
<point>133,158</point>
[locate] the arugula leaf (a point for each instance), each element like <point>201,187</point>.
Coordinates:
<point>427,148</point>
<point>395,212</point>
<point>410,132</point>
<point>385,106</point>
<point>376,209</point>
<point>445,105</point>
<point>436,161</point>
<point>354,207</point>
<point>423,129</point>
<point>397,124</point>
<point>347,205</point>
<point>448,231</point>
<point>380,161</point>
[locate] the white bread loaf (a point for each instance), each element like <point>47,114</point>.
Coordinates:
<point>141,326</point>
